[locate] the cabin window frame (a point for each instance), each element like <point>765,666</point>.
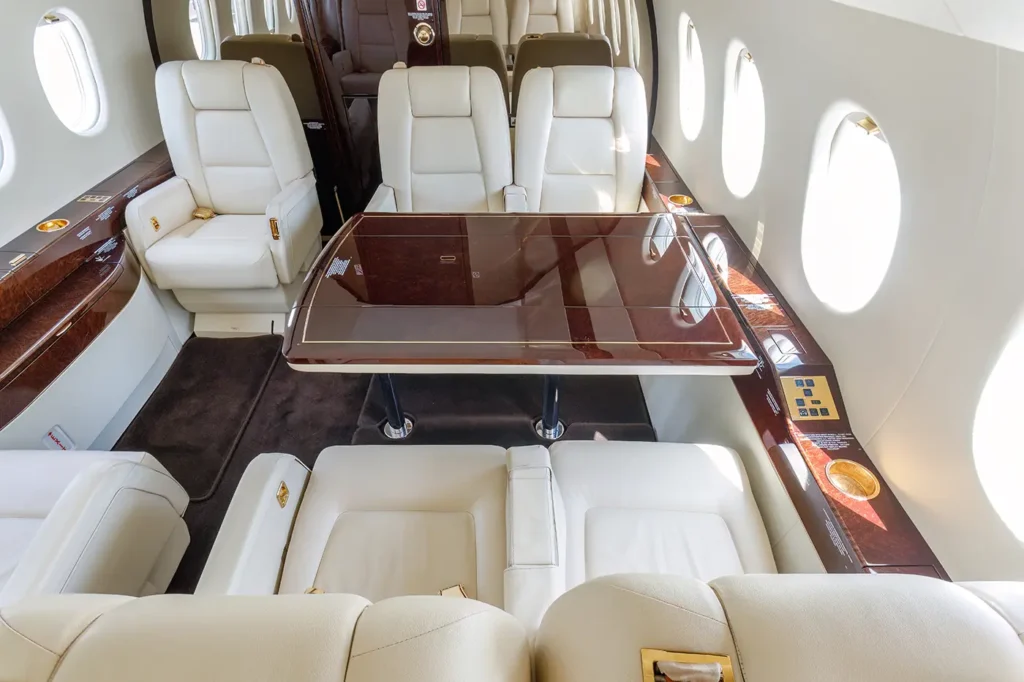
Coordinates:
<point>270,14</point>
<point>241,17</point>
<point>692,80</point>
<point>205,23</point>
<point>290,10</point>
<point>7,154</point>
<point>744,123</point>
<point>854,212</point>
<point>64,38</point>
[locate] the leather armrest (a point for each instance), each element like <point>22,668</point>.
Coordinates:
<point>169,203</point>
<point>382,201</point>
<point>343,63</point>
<point>535,576</point>
<point>296,209</point>
<point>115,529</point>
<point>249,551</point>
<point>515,199</point>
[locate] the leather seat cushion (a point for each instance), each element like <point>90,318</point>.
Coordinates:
<point>657,508</point>
<point>226,252</point>
<point>386,521</point>
<point>16,535</point>
<point>360,83</point>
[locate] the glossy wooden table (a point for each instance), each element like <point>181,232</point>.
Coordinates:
<point>514,293</point>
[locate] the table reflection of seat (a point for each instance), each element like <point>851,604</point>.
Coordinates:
<point>506,293</point>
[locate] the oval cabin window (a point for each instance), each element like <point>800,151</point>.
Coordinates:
<point>691,79</point>
<point>240,18</point>
<point>6,152</point>
<point>200,23</point>
<point>743,125</point>
<point>66,72</point>
<point>289,8</point>
<point>853,216</point>
<point>996,437</point>
<point>270,12</point>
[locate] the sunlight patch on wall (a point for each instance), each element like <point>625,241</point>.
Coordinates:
<point>996,439</point>
<point>691,79</point>
<point>852,212</point>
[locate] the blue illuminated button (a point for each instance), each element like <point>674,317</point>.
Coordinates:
<point>800,402</point>
<point>815,402</point>
<point>824,412</point>
<point>814,412</point>
<point>800,382</point>
<point>810,382</point>
<point>803,412</point>
<point>808,392</point>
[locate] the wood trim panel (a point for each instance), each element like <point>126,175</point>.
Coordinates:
<point>66,287</point>
<point>875,536</point>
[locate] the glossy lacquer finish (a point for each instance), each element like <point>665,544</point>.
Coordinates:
<point>625,290</point>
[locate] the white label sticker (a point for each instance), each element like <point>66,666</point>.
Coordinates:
<point>56,439</point>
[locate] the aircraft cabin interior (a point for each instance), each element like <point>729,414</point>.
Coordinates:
<point>543,340</point>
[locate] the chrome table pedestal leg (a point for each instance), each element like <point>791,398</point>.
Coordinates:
<point>397,426</point>
<point>548,427</point>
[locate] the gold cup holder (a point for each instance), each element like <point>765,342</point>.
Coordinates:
<point>852,479</point>
<point>678,202</point>
<point>52,225</point>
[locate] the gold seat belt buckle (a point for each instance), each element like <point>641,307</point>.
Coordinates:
<point>274,232</point>
<point>455,591</point>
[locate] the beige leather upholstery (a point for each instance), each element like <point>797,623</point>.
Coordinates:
<point>87,522</point>
<point>391,520</point>
<point>238,148</point>
<point>657,508</point>
<point>581,139</point>
<point>478,17</point>
<point>375,34</point>
<point>783,628</point>
<point>539,16</point>
<point>1006,598</point>
<point>444,143</point>
<point>557,49</point>
<point>285,53</point>
<point>315,638</point>
<point>475,50</point>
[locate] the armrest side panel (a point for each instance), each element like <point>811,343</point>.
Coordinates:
<point>535,576</point>
<point>170,203</point>
<point>297,211</point>
<point>249,551</point>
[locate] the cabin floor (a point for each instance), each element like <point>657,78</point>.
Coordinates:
<point>224,401</point>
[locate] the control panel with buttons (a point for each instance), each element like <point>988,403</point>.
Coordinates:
<point>809,398</point>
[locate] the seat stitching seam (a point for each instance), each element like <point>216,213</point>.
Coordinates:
<point>667,603</point>
<point>422,634</point>
<point>60,659</point>
<point>26,638</point>
<point>732,635</point>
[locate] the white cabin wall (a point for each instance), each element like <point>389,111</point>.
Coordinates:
<point>913,361</point>
<point>53,165</point>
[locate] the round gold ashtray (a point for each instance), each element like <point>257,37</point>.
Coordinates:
<point>680,200</point>
<point>852,479</point>
<point>52,225</point>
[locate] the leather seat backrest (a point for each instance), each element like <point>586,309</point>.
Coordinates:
<point>539,16</point>
<point>444,141</point>
<point>558,49</point>
<point>478,17</point>
<point>376,33</point>
<point>233,132</point>
<point>581,139</point>
<point>314,638</point>
<point>285,53</point>
<point>779,628</point>
<point>479,50</point>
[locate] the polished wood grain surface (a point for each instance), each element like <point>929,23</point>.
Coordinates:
<point>850,535</point>
<point>514,289</point>
<point>66,287</point>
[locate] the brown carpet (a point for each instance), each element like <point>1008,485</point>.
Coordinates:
<point>224,401</point>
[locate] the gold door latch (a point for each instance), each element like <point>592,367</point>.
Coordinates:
<point>423,33</point>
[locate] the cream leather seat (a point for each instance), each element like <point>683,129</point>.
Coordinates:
<point>444,141</point>
<point>238,149</point>
<point>539,16</point>
<point>87,522</point>
<point>377,521</point>
<point>581,139</point>
<point>657,508</point>
<point>785,628</point>
<point>315,638</point>
<point>479,17</point>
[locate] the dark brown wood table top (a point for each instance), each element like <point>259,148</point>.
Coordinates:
<point>515,293</point>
